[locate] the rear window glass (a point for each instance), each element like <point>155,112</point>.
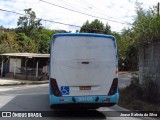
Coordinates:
<point>80,47</point>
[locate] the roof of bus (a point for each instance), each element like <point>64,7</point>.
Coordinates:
<point>83,34</point>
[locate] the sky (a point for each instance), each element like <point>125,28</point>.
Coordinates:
<point>119,14</point>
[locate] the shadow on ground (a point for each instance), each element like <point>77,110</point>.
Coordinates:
<point>40,103</point>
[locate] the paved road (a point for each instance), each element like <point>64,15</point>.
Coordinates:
<point>124,80</point>
<point>35,98</point>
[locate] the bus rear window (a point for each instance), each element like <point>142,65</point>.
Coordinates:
<point>80,47</point>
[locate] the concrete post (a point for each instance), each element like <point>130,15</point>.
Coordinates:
<point>37,70</point>
<point>15,65</point>
<point>26,68</point>
<point>2,68</point>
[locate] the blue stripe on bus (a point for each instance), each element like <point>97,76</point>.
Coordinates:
<point>83,34</point>
<point>88,99</point>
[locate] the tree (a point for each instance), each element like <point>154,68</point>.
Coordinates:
<point>1,27</point>
<point>48,32</point>
<point>146,26</point>
<point>26,44</point>
<point>32,37</point>
<point>107,29</point>
<point>95,26</point>
<point>60,31</point>
<point>128,49</point>
<point>8,42</point>
<point>85,27</point>
<point>28,22</point>
<point>43,43</point>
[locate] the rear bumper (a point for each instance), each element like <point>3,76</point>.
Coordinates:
<point>99,100</point>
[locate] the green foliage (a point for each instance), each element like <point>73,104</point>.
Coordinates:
<point>30,36</point>
<point>61,31</point>
<point>95,26</point>
<point>43,43</point>
<point>145,30</point>
<point>135,88</point>
<point>128,49</point>
<point>1,27</point>
<point>26,44</point>
<point>48,32</point>
<point>8,42</point>
<point>28,22</point>
<point>147,26</point>
<point>150,90</point>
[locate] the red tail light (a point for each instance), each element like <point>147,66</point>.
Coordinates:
<point>54,87</point>
<point>114,87</point>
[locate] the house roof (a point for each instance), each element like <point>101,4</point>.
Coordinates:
<point>29,55</point>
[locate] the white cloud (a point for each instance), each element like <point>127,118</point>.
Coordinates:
<point>118,10</point>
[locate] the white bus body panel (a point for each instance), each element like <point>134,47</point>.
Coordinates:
<point>68,54</point>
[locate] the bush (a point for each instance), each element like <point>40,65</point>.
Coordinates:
<point>138,96</point>
<point>135,87</point>
<point>136,105</point>
<point>129,95</point>
<point>150,90</point>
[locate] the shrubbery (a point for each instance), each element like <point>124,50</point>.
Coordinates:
<point>144,96</point>
<point>150,90</point>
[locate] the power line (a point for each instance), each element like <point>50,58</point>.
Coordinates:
<point>52,21</point>
<point>11,12</point>
<point>82,6</point>
<point>92,6</point>
<point>104,12</point>
<point>41,18</point>
<point>89,6</point>
<point>83,13</point>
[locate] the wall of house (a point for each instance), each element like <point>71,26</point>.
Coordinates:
<point>149,62</point>
<point>21,72</point>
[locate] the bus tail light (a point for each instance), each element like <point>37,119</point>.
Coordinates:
<point>54,87</point>
<point>114,87</point>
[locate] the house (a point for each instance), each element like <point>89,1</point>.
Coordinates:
<point>28,66</point>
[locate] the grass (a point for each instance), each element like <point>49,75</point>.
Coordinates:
<point>129,100</point>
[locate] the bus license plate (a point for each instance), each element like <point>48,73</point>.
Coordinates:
<point>81,99</point>
<point>85,87</point>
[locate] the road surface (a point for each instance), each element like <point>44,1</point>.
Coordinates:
<point>124,80</point>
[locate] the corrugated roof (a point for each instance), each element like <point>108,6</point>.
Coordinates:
<point>29,55</point>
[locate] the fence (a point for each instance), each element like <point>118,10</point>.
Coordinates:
<point>25,73</point>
